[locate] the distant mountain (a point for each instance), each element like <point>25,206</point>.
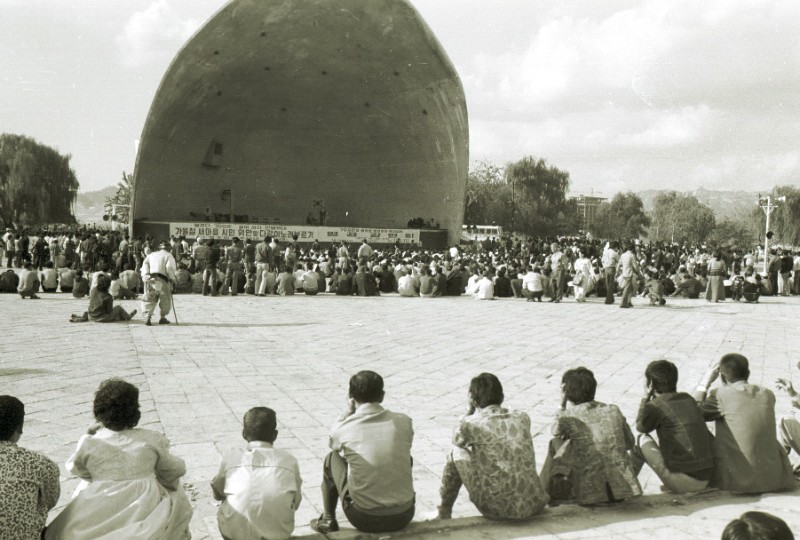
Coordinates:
<point>89,208</point>
<point>723,203</point>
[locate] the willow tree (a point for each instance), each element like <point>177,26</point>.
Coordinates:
<point>37,184</point>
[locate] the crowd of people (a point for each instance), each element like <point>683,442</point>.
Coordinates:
<point>535,269</point>
<point>131,483</point>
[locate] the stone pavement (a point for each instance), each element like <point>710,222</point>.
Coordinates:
<point>296,354</point>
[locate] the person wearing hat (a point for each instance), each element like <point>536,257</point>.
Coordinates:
<point>29,482</point>
<point>158,275</point>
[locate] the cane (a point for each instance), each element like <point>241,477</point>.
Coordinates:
<point>172,301</point>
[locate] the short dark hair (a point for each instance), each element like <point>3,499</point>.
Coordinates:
<point>663,375</point>
<point>757,526</point>
<point>579,385</point>
<point>485,390</point>
<point>366,387</point>
<point>260,424</point>
<point>116,405</point>
<point>103,283</point>
<point>12,414</point>
<point>734,367</point>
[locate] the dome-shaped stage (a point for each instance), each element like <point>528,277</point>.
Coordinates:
<point>343,114</point>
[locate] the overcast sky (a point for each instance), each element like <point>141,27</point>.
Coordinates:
<point>625,95</point>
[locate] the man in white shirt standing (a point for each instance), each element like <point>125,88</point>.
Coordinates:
<point>369,467</point>
<point>158,275</point>
<point>629,268</point>
<point>609,261</point>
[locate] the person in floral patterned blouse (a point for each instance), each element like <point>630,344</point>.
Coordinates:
<point>589,460</point>
<point>493,458</point>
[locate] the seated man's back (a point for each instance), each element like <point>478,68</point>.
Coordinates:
<point>749,458</point>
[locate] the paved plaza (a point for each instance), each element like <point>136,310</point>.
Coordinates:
<point>296,354</point>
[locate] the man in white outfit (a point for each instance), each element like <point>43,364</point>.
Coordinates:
<point>158,275</point>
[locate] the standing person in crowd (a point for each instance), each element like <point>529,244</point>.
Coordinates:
<point>589,459</point>
<point>344,256</point>
<point>210,272</point>
<point>558,265</point>
<point>249,258</point>
<point>610,260</point>
<point>10,249</point>
<point>715,291</point>
<point>492,457</point>
<point>787,263</point>
<point>158,275</point>
<point>263,260</point>
<point>233,270</point>
<point>259,486</point>
<point>29,481</point>
<point>682,457</point>
<point>369,466</point>
<point>746,449</point>
<point>131,483</point>
<point>628,268</point>
<point>364,252</point>
<point>584,278</point>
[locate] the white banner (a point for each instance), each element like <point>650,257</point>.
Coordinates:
<point>283,233</point>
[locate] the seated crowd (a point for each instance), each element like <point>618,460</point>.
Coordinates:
<point>131,483</point>
<point>532,269</point>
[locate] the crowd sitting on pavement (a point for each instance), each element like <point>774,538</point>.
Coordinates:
<point>131,482</point>
<point>535,269</point>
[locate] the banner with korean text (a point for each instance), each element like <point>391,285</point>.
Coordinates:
<point>284,233</point>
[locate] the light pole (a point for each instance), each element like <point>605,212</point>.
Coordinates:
<point>768,206</point>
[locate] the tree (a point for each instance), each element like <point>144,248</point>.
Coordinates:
<point>122,197</point>
<point>783,221</point>
<point>37,184</point>
<point>539,193</point>
<point>623,218</point>
<point>486,195</point>
<point>680,218</point>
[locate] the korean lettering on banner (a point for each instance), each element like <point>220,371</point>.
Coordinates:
<point>284,233</point>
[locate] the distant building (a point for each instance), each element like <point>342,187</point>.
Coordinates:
<point>587,208</point>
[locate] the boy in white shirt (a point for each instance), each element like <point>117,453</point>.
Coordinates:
<point>259,486</point>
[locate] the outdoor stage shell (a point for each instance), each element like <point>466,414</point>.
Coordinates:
<point>292,111</point>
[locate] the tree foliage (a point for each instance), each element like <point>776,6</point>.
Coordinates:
<point>37,184</point>
<point>624,217</point>
<point>526,196</point>
<point>123,197</point>
<point>680,218</point>
<point>784,219</point>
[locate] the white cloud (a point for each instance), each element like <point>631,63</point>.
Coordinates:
<point>153,33</point>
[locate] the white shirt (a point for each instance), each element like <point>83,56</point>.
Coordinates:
<point>533,282</point>
<point>261,486</point>
<point>406,286</point>
<point>159,262</point>
<point>485,289</point>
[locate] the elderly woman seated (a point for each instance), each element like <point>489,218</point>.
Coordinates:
<point>131,484</point>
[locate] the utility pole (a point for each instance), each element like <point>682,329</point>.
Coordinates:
<point>768,206</point>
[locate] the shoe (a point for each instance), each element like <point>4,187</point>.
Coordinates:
<point>625,307</point>
<point>147,322</point>
<point>132,314</point>
<point>324,525</point>
<point>34,297</point>
<point>163,320</point>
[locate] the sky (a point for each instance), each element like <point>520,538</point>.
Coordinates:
<point>622,94</point>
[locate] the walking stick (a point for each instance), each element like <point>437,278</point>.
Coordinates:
<point>172,301</point>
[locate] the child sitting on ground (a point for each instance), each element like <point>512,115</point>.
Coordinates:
<point>80,287</point>
<point>259,486</point>
<point>654,289</point>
